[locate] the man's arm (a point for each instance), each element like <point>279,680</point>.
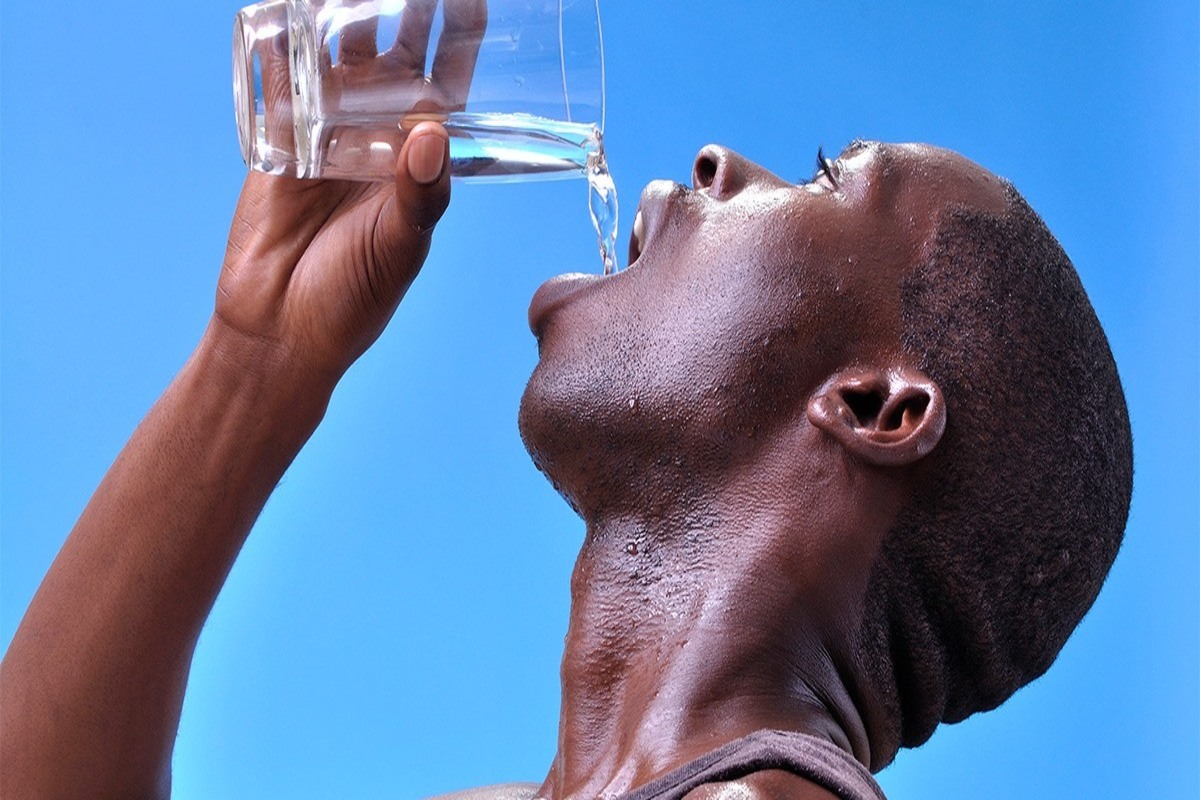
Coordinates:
<point>92,684</point>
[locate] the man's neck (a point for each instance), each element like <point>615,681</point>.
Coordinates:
<point>688,630</point>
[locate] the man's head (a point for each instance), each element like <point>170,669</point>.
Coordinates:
<point>917,341</point>
<point>744,295</point>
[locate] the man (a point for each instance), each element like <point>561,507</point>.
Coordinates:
<point>856,464</point>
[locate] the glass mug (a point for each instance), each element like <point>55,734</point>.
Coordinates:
<point>331,88</point>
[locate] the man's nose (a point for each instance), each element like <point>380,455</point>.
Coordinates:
<point>723,173</point>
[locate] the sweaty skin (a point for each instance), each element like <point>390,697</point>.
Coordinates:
<point>734,499</point>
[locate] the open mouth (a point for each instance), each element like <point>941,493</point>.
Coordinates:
<point>652,214</point>
<point>637,240</point>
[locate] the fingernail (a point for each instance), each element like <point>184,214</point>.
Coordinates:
<point>425,158</point>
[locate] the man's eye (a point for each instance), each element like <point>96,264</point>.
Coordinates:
<point>825,169</point>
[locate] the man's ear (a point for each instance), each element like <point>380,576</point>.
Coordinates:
<point>886,417</point>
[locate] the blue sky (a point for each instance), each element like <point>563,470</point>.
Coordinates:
<point>393,627</point>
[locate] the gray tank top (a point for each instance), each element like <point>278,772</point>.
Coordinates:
<point>808,757</point>
<point>816,760</point>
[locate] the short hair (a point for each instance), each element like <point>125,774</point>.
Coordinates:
<point>1016,517</point>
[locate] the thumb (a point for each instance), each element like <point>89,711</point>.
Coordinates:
<point>423,177</point>
<point>422,192</point>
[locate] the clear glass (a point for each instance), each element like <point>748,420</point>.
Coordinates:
<point>331,88</point>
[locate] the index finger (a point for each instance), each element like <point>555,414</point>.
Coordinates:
<point>412,38</point>
<point>458,49</point>
<point>357,41</point>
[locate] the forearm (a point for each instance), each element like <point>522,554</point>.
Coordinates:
<point>92,685</point>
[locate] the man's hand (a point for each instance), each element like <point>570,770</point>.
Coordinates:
<point>315,269</point>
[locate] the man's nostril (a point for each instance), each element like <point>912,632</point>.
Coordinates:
<point>705,172</point>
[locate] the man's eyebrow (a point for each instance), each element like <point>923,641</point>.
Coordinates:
<point>857,145</point>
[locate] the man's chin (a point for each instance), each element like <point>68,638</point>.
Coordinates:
<point>546,429</point>
<point>553,295</point>
<point>543,417</point>
<point>572,426</point>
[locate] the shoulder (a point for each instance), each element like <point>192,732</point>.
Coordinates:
<point>772,784</point>
<point>503,791</point>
